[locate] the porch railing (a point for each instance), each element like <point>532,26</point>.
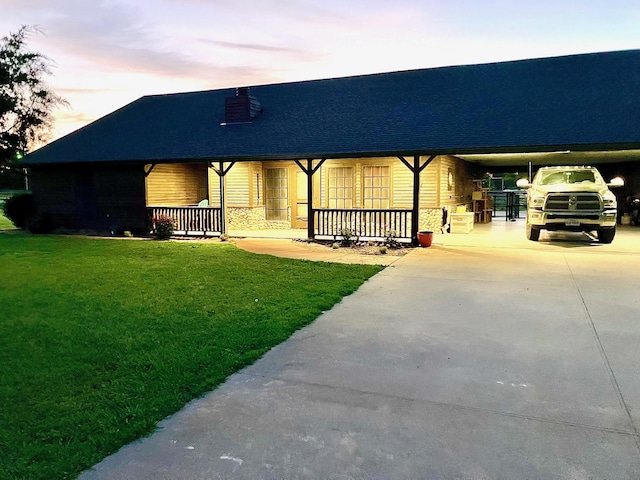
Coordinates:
<point>362,223</point>
<point>191,221</point>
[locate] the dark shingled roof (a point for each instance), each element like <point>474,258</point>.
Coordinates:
<point>578,102</point>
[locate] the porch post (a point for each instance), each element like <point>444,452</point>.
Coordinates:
<point>416,169</point>
<point>309,169</point>
<point>223,203</point>
<point>415,214</point>
<point>311,217</point>
<point>221,171</point>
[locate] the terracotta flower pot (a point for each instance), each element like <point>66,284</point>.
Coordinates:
<point>425,238</point>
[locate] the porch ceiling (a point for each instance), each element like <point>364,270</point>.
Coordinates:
<point>565,157</point>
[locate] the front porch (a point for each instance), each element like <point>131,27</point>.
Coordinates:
<point>365,199</point>
<point>329,224</point>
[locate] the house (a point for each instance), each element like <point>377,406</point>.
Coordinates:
<point>370,153</point>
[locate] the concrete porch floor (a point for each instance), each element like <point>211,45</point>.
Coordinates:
<point>496,234</point>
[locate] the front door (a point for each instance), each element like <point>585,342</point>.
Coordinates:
<point>300,204</point>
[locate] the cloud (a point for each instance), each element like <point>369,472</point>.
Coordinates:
<point>297,10</point>
<point>217,42</point>
<point>250,46</point>
<point>74,117</point>
<point>107,35</point>
<point>114,37</point>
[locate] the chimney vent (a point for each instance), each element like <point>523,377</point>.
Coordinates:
<point>242,108</point>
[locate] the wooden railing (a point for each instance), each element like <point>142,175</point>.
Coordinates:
<point>190,221</point>
<point>362,223</point>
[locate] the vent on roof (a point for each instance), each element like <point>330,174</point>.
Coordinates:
<point>241,108</point>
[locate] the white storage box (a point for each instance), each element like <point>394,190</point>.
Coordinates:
<point>461,222</point>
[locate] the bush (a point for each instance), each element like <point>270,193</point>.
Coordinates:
<point>348,237</point>
<point>20,209</point>
<point>391,239</point>
<point>163,227</point>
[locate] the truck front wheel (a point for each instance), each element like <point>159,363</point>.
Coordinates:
<point>533,232</point>
<point>605,235</point>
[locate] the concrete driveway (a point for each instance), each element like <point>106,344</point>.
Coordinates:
<point>482,357</point>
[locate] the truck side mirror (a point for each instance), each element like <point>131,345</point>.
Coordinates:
<point>523,183</point>
<point>616,182</point>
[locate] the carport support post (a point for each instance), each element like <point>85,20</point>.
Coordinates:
<point>417,169</point>
<point>309,170</point>
<point>221,171</point>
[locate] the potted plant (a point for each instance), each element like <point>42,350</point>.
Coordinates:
<point>425,238</point>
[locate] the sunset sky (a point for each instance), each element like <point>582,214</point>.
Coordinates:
<point>108,53</point>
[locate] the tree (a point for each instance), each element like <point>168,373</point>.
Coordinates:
<point>26,103</point>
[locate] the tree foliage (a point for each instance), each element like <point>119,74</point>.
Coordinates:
<point>26,102</point>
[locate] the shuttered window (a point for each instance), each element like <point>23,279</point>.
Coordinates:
<point>340,189</point>
<point>376,192</point>
<point>276,194</point>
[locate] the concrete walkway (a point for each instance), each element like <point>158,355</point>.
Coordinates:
<point>482,357</point>
<point>315,252</point>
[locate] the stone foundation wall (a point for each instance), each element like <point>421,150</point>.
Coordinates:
<point>430,219</point>
<point>253,218</point>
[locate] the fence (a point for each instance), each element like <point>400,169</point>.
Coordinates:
<point>362,223</point>
<point>191,221</point>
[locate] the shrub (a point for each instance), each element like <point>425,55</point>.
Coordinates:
<point>347,237</point>
<point>20,209</point>
<point>163,227</point>
<point>224,237</point>
<point>383,249</point>
<point>335,245</point>
<point>391,239</point>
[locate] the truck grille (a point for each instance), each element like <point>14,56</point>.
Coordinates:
<point>573,202</point>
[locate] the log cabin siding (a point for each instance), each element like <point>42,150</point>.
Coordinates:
<point>176,184</point>
<point>447,191</point>
<point>214,187</point>
<point>429,192</point>
<point>401,185</point>
<point>240,188</point>
<point>401,181</point>
<point>460,191</point>
<point>237,185</point>
<point>256,187</point>
<point>245,182</point>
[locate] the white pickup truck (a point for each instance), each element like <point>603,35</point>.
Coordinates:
<point>573,199</point>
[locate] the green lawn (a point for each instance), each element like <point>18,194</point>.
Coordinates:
<point>100,339</point>
<point>5,223</point>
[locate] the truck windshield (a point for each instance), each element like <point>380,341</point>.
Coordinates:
<point>570,177</point>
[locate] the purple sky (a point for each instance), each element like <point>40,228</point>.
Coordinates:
<point>109,53</point>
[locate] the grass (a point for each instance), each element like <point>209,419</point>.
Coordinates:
<point>5,223</point>
<point>100,339</point>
